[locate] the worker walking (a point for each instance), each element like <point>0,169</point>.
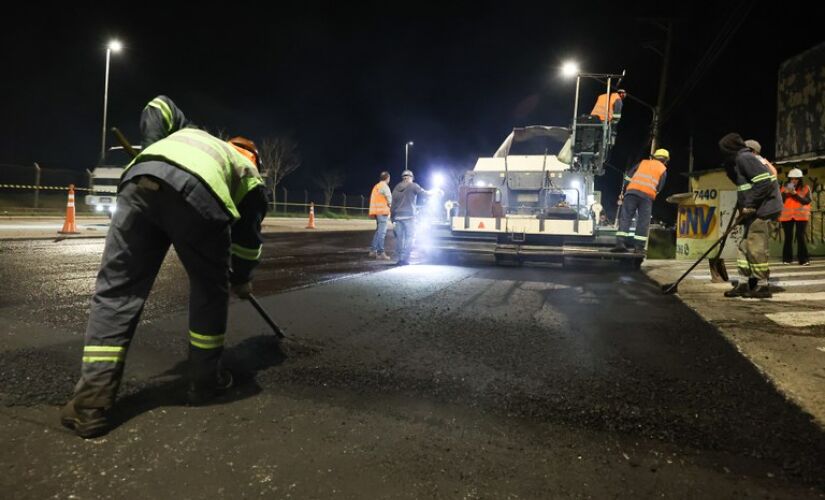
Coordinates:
<point>404,197</point>
<point>796,212</point>
<point>380,203</point>
<point>642,184</point>
<point>760,204</point>
<point>205,197</point>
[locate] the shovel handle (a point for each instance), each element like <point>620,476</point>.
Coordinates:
<point>265,316</point>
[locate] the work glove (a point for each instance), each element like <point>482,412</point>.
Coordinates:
<point>243,290</point>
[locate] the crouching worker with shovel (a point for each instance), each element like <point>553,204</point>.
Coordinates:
<point>760,204</point>
<point>205,197</point>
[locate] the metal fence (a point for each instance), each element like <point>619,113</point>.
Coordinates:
<point>292,203</point>
<point>39,188</point>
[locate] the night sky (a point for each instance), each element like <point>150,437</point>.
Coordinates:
<point>353,82</point>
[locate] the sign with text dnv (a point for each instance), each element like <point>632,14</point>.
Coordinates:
<point>697,221</point>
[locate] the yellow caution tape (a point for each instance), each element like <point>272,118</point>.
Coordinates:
<point>56,188</point>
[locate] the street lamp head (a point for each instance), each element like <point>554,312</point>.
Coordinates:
<point>570,69</point>
<point>115,46</point>
<point>410,143</point>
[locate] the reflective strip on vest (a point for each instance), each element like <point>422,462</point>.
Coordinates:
<point>228,174</point>
<point>640,238</point>
<point>103,354</point>
<point>245,252</point>
<point>647,177</point>
<point>206,341</point>
<point>378,202</point>
<point>165,110</point>
<point>766,176</point>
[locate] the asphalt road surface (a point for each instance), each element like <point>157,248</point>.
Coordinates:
<point>465,381</point>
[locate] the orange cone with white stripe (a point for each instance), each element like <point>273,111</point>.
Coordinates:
<point>70,227</point>
<point>311,224</point>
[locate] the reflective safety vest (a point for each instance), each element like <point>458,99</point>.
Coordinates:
<point>379,205</point>
<point>794,209</point>
<point>647,177</point>
<point>601,104</point>
<point>226,173</point>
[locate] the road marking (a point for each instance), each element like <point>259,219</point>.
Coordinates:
<point>797,297</point>
<point>798,318</point>
<point>773,274</point>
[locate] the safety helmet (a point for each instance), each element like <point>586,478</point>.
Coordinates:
<point>662,154</point>
<point>754,146</point>
<point>621,91</point>
<point>407,173</point>
<point>247,148</point>
<point>795,173</point>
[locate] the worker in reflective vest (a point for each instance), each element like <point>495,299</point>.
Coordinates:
<point>642,183</point>
<point>796,213</point>
<point>760,204</point>
<point>380,203</point>
<point>608,108</point>
<point>205,197</point>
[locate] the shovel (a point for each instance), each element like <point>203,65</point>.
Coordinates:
<point>672,287</point>
<point>718,271</point>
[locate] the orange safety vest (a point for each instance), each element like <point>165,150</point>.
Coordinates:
<point>794,209</point>
<point>647,176</point>
<point>601,103</point>
<point>378,202</point>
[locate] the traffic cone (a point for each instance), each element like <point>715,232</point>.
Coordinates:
<point>70,227</point>
<point>481,225</point>
<point>311,224</point>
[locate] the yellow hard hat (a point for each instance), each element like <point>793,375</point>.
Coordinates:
<point>662,153</point>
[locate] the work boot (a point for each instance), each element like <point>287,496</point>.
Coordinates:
<point>739,290</point>
<point>373,254</point>
<point>383,256</point>
<point>201,392</point>
<point>85,422</point>
<point>760,292</point>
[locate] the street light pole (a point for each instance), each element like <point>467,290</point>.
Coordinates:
<point>407,155</point>
<point>114,46</point>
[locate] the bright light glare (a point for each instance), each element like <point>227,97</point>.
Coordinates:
<point>575,185</point>
<point>438,180</point>
<point>98,208</point>
<point>480,184</point>
<point>115,46</point>
<point>569,69</point>
<point>112,209</point>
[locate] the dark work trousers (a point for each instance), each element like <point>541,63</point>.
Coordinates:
<point>801,245</point>
<point>150,217</point>
<point>753,256</point>
<point>641,207</point>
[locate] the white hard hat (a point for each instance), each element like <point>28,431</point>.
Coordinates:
<point>795,173</point>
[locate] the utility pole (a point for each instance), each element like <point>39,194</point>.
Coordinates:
<point>660,102</point>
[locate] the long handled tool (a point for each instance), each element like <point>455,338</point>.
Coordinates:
<point>672,287</point>
<point>266,317</point>
<point>718,271</point>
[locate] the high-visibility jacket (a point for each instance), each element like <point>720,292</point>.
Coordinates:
<point>612,112</point>
<point>227,174</point>
<point>379,204</point>
<point>646,178</point>
<point>794,208</point>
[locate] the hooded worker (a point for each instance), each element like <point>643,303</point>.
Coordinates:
<point>205,197</point>
<point>760,204</point>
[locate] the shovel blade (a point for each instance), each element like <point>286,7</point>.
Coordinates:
<point>718,271</point>
<point>670,288</point>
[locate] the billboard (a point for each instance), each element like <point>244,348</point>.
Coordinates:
<point>800,116</point>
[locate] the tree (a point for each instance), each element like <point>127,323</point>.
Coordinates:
<point>279,158</point>
<point>329,181</point>
<point>454,177</point>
